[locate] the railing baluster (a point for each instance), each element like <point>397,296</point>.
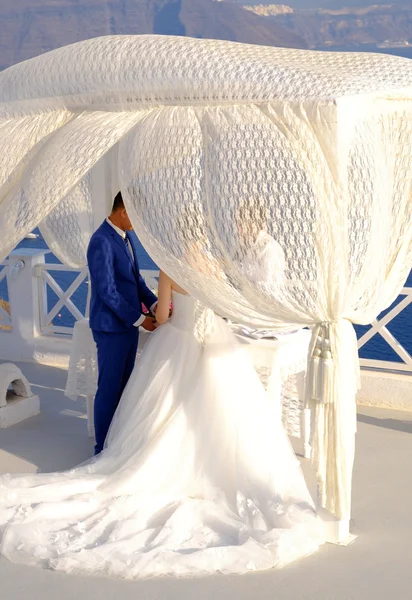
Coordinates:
<point>64,297</point>
<point>379,327</point>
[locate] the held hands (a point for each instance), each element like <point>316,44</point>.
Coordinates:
<point>149,324</point>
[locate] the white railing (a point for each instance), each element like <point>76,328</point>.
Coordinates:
<point>5,318</point>
<point>43,273</point>
<point>29,277</point>
<point>379,327</point>
<point>47,314</point>
<point>151,278</point>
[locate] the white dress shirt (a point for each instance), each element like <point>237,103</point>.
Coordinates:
<point>129,246</point>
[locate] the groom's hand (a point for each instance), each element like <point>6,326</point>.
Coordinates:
<point>149,324</point>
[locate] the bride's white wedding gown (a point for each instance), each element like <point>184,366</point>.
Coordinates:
<point>197,476</point>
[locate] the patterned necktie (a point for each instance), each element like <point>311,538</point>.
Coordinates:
<point>128,246</point>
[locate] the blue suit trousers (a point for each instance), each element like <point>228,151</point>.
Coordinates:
<point>116,356</point>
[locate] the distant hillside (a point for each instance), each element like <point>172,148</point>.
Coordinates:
<point>347,26</point>
<point>329,4</point>
<point>31,27</point>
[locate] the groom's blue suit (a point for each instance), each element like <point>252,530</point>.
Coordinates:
<point>117,291</point>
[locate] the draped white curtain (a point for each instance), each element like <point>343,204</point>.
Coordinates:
<point>68,227</point>
<point>201,183</point>
<point>274,185</point>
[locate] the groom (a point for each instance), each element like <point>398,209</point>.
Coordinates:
<point>117,293</point>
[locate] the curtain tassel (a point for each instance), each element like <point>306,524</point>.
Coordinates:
<point>321,367</point>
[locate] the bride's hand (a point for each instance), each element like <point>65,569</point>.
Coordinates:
<point>149,324</point>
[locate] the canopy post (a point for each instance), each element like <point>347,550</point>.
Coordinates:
<point>337,531</point>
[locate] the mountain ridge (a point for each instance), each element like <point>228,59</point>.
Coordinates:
<point>346,26</point>
<point>32,27</point>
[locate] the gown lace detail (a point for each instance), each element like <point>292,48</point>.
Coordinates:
<point>197,475</point>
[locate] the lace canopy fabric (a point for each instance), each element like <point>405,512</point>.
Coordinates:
<point>274,185</point>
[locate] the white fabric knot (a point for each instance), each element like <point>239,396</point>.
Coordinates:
<point>332,380</point>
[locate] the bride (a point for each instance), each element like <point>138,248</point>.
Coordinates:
<point>197,475</point>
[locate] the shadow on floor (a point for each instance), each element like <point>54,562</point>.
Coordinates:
<point>395,424</point>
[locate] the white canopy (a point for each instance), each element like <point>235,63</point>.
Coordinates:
<point>274,184</point>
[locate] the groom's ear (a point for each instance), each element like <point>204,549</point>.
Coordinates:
<point>126,220</point>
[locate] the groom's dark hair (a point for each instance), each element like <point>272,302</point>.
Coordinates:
<point>118,202</point>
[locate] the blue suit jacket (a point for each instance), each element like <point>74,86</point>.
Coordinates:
<point>118,289</point>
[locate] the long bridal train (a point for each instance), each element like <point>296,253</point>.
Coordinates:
<point>198,475</point>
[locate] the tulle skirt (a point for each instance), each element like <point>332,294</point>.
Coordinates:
<point>197,476</point>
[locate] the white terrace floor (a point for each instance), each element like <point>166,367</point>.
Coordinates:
<point>377,566</point>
